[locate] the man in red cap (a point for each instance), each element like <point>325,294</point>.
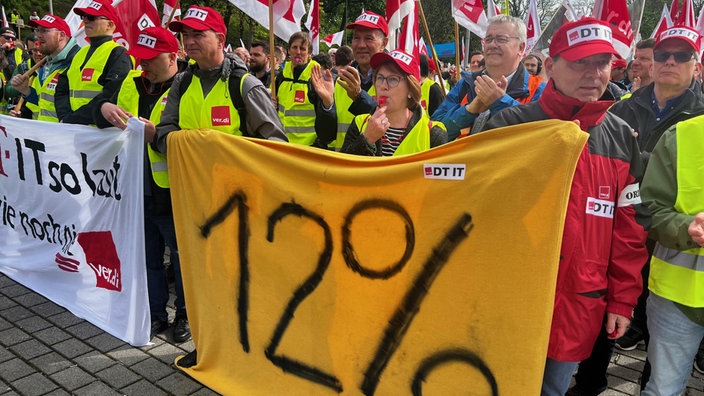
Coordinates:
<point>216,92</point>
<point>673,96</point>
<point>97,70</point>
<point>603,244</point>
<point>143,94</point>
<point>618,72</point>
<point>54,40</point>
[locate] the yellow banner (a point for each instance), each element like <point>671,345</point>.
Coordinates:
<point>310,272</point>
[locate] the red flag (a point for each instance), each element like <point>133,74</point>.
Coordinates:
<point>615,13</point>
<point>170,5</point>
<point>313,24</point>
<point>409,39</point>
<point>470,14</point>
<point>532,26</point>
<point>686,17</point>
<point>287,14</point>
<point>675,10</point>
<point>135,16</point>
<point>664,22</point>
<point>335,38</point>
<point>492,9</point>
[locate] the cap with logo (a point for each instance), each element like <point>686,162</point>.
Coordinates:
<point>200,19</point>
<point>101,8</point>
<point>682,33</point>
<point>153,41</point>
<point>582,38</point>
<point>370,20</point>
<point>51,21</point>
<point>405,61</point>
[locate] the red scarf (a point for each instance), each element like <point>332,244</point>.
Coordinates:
<point>562,107</point>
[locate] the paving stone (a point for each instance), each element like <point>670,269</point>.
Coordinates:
<point>51,363</point>
<point>30,299</point>
<point>6,281</point>
<point>72,348</point>
<point>83,330</point>
<point>51,335</point>
<point>94,361</point>
<point>152,369</point>
<point>15,369</point>
<point>35,384</point>
<point>13,336</point>
<point>33,324</point>
<point>58,392</point>
<point>118,376</point>
<point>167,353</point>
<point>7,302</point>
<point>128,355</point>
<point>16,313</point>
<point>15,290</point>
<point>143,387</point>
<point>65,319</point>
<point>179,384</point>
<point>48,309</point>
<point>105,342</point>
<point>5,324</point>
<point>72,378</point>
<point>96,388</point>
<point>5,354</point>
<point>30,349</point>
<point>205,392</point>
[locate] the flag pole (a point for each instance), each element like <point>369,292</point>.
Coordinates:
<point>432,47</point>
<point>457,47</point>
<point>272,73</point>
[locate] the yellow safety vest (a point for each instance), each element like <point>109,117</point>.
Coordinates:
<point>425,92</point>
<point>128,99</point>
<point>675,274</point>
<point>83,83</point>
<point>416,140</point>
<point>344,117</point>
<point>215,111</point>
<point>46,92</point>
<point>31,106</point>
<point>295,110</point>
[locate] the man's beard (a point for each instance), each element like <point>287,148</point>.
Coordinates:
<point>255,68</point>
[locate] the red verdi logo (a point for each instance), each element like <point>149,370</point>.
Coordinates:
<point>87,74</point>
<point>220,115</point>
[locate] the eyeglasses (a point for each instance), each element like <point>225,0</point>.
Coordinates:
<point>680,56</point>
<point>42,30</point>
<point>11,38</point>
<point>500,39</point>
<point>91,18</point>
<point>392,81</point>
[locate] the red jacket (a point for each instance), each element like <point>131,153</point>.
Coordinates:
<point>603,244</point>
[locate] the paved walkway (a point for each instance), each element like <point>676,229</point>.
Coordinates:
<point>46,350</point>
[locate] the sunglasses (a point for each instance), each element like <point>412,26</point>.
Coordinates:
<point>91,18</point>
<point>680,56</point>
<point>11,38</point>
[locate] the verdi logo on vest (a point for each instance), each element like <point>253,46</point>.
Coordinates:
<point>87,74</point>
<point>300,97</point>
<point>220,115</point>
<point>52,85</point>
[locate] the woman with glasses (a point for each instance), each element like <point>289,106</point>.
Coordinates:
<point>399,125</point>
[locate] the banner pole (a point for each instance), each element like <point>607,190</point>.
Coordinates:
<point>272,72</point>
<point>457,47</point>
<point>432,47</point>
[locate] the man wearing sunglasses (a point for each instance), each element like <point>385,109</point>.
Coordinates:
<point>14,54</point>
<point>97,70</point>
<point>502,84</point>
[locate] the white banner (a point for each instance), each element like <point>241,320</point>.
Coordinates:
<point>72,228</point>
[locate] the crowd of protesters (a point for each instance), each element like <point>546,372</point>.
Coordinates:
<point>615,287</point>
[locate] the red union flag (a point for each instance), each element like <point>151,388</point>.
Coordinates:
<point>615,13</point>
<point>169,6</point>
<point>532,26</point>
<point>313,24</point>
<point>287,14</point>
<point>470,14</point>
<point>335,38</point>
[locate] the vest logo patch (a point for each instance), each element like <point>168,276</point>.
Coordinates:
<point>604,192</point>
<point>220,115</point>
<point>300,97</point>
<point>425,105</point>
<point>87,74</point>
<point>444,171</point>
<point>600,208</point>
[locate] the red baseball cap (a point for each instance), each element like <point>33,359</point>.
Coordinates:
<point>619,64</point>
<point>52,21</point>
<point>402,59</point>
<point>101,8</point>
<point>200,19</point>
<point>153,41</point>
<point>582,38</point>
<point>683,33</point>
<point>370,20</point>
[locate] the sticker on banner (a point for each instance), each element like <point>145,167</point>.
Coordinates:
<point>444,171</point>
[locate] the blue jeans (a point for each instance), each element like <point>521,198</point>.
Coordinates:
<point>160,230</point>
<point>557,376</point>
<point>674,340</point>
